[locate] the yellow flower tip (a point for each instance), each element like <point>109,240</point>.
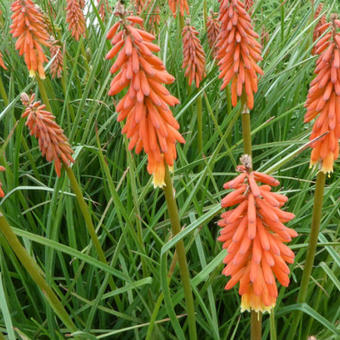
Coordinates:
<point>32,73</point>
<point>252,302</point>
<point>327,164</point>
<point>158,174</point>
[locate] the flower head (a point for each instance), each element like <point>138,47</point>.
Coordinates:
<point>2,64</point>
<point>213,28</point>
<point>181,4</point>
<point>75,18</point>
<point>194,56</point>
<point>52,141</point>
<point>58,61</point>
<point>254,234</point>
<point>29,27</point>
<point>323,100</point>
<point>150,125</point>
<point>238,51</point>
<point>321,26</point>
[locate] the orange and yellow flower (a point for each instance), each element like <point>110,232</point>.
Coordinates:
<point>75,18</point>
<point>213,29</point>
<point>53,143</point>
<point>29,27</point>
<point>238,51</point>
<point>181,4</point>
<point>254,234</point>
<point>150,125</point>
<point>193,56</point>
<point>323,100</point>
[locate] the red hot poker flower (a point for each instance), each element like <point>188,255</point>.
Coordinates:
<point>2,64</point>
<point>320,27</point>
<point>194,56</point>
<point>75,18</point>
<point>57,64</point>
<point>150,124</point>
<point>213,28</point>
<point>238,51</point>
<point>323,100</point>
<point>52,141</point>
<point>29,27</point>
<point>181,4</point>
<point>254,234</point>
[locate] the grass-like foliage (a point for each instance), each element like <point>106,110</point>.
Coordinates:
<point>134,290</point>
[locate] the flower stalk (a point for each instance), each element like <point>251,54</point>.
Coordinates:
<point>313,240</point>
<point>256,325</point>
<point>199,125</point>
<point>36,273</point>
<point>85,212</point>
<point>43,93</point>
<point>246,128</point>
<point>183,265</point>
<point>3,92</point>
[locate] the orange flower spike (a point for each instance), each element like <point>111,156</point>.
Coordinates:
<point>2,64</point>
<point>29,27</point>
<point>57,64</point>
<point>149,125</point>
<point>52,141</point>
<point>75,18</point>
<point>320,27</point>
<point>181,4</point>
<point>323,100</point>
<point>213,29</point>
<point>194,56</point>
<point>2,194</point>
<point>238,51</point>
<point>254,234</point>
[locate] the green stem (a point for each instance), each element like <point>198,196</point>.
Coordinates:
<point>273,335</point>
<point>85,211</point>
<point>229,108</point>
<point>282,22</point>
<point>205,13</point>
<point>313,240</point>
<point>246,129</point>
<point>36,273</point>
<point>200,126</point>
<point>3,92</point>
<point>83,52</point>
<point>183,266</point>
<point>256,325</point>
<point>43,93</point>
